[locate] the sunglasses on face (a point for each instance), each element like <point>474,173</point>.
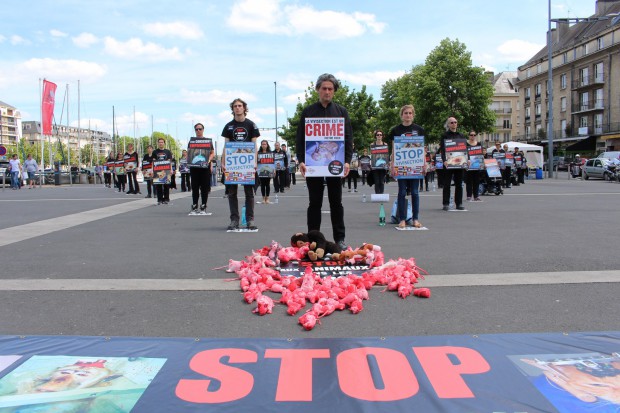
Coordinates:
<point>198,128</point>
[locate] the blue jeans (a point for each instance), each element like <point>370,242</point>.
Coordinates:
<point>414,187</point>
<point>15,179</point>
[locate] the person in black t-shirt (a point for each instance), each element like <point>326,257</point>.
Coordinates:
<point>162,154</point>
<point>240,129</point>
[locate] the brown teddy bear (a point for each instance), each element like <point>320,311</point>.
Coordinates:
<point>349,254</point>
<point>315,240</point>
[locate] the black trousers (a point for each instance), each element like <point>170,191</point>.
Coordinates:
<point>107,179</point>
<point>185,181</point>
<point>265,186</point>
<point>379,180</point>
<point>334,194</point>
<point>521,175</point>
<point>149,186</point>
<point>133,182</point>
<point>279,181</point>
<point>506,174</point>
<point>472,183</point>
<point>163,192</point>
<point>293,179</point>
<point>121,182</point>
<point>457,174</point>
<point>233,203</point>
<point>353,175</point>
<point>201,184</point>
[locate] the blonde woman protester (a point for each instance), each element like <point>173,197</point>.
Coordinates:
<point>407,128</point>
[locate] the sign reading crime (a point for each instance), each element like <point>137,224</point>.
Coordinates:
<point>324,146</point>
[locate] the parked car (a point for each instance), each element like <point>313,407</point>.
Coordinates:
<point>595,168</point>
<point>559,162</point>
<point>610,155</point>
<point>7,175</point>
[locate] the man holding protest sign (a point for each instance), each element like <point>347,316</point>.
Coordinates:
<point>240,129</point>
<point>453,149</point>
<point>324,146</point>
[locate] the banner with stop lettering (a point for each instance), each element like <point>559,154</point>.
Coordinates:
<point>544,372</point>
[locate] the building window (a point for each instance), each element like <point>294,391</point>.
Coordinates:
<point>585,96</point>
<point>527,92</point>
<point>583,76</point>
<point>563,81</point>
<point>537,90</point>
<point>528,72</point>
<point>583,122</point>
<point>598,123</point>
<point>528,132</point>
<point>600,43</point>
<point>563,104</point>
<point>538,109</point>
<point>538,68</point>
<point>598,73</point>
<point>563,127</point>
<point>584,49</point>
<point>527,113</point>
<point>598,99</point>
<point>564,57</point>
<point>506,124</point>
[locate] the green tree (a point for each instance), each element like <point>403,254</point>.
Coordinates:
<point>445,85</point>
<point>362,108</point>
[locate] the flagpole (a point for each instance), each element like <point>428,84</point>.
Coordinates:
<point>69,140</point>
<point>79,133</point>
<point>42,137</point>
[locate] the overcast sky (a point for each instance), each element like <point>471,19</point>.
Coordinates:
<point>183,62</point>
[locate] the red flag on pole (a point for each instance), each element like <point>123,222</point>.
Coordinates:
<point>47,106</point>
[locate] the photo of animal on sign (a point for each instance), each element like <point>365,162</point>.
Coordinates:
<point>324,146</point>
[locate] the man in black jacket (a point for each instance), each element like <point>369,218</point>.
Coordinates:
<point>326,86</point>
<point>448,174</point>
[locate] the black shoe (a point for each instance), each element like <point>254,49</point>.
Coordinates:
<point>158,202</point>
<point>233,225</point>
<point>194,209</point>
<point>342,245</point>
<point>203,207</point>
<point>460,207</point>
<point>149,196</point>
<point>446,208</point>
<point>251,225</point>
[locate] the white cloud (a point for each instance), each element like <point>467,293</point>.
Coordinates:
<point>85,40</point>
<point>57,33</point>
<point>267,16</point>
<point>135,48</point>
<point>215,96</point>
<point>207,120</point>
<point>181,29</point>
<point>2,38</point>
<point>518,50</point>
<point>61,70</point>
<point>297,81</point>
<point>369,78</point>
<point>17,40</point>
<point>295,98</point>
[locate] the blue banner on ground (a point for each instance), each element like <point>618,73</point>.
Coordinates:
<point>547,372</point>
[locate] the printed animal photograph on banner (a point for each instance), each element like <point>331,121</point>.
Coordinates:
<point>77,384</point>
<point>321,153</point>
<point>575,382</point>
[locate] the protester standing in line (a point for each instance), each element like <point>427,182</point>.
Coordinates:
<point>184,171</point>
<point>449,174</point>
<point>326,86</point>
<point>108,171</point>
<point>16,169</point>
<point>162,154</point>
<point>502,165</point>
<point>147,164</point>
<point>292,169</point>
<point>240,129</point>
<point>407,128</point>
<point>264,181</point>
<point>119,171</point>
<point>279,178</point>
<point>507,170</point>
<point>200,174</point>
<point>30,169</point>
<point>472,176</point>
<point>379,172</point>
<point>364,161</point>
<point>131,159</point>
<point>353,171</point>
<point>520,166</point>
<point>287,176</point>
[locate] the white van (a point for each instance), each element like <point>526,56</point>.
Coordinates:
<point>610,155</point>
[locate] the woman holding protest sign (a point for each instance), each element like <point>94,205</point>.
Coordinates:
<point>379,155</point>
<point>408,184</point>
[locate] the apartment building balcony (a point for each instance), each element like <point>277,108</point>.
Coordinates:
<point>590,105</point>
<point>591,80</point>
<point>503,111</point>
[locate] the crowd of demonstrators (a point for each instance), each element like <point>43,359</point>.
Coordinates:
<point>240,129</point>
<point>326,85</point>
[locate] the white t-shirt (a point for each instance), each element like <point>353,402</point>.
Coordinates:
<point>15,165</point>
